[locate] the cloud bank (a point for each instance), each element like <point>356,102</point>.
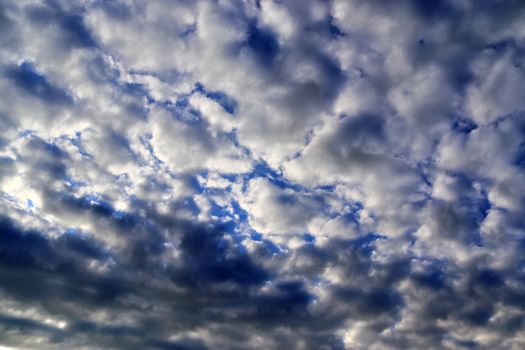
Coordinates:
<point>322,174</point>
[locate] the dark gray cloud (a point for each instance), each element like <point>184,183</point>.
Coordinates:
<point>262,174</point>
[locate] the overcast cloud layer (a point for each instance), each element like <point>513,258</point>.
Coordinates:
<point>179,174</point>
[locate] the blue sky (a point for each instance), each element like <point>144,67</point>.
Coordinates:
<point>321,174</point>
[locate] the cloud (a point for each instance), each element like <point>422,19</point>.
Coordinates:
<point>262,174</point>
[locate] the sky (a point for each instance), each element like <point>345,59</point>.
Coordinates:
<point>262,174</point>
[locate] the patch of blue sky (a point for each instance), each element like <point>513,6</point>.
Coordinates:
<point>219,210</point>
<point>76,140</point>
<point>97,202</point>
<point>26,77</point>
<point>519,156</point>
<point>189,203</point>
<point>145,141</point>
<point>6,161</point>
<point>74,232</point>
<point>227,102</point>
<point>25,133</point>
<point>183,112</point>
<point>135,89</point>
<point>270,246</point>
<point>369,238</point>
<point>238,211</point>
<point>334,29</point>
<point>168,75</point>
<point>273,248</point>
<point>30,205</point>
<point>464,125</point>
<point>189,32</point>
<point>262,42</point>
<point>78,32</point>
<point>262,169</point>
<point>308,238</point>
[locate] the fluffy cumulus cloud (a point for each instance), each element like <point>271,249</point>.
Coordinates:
<point>260,174</point>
